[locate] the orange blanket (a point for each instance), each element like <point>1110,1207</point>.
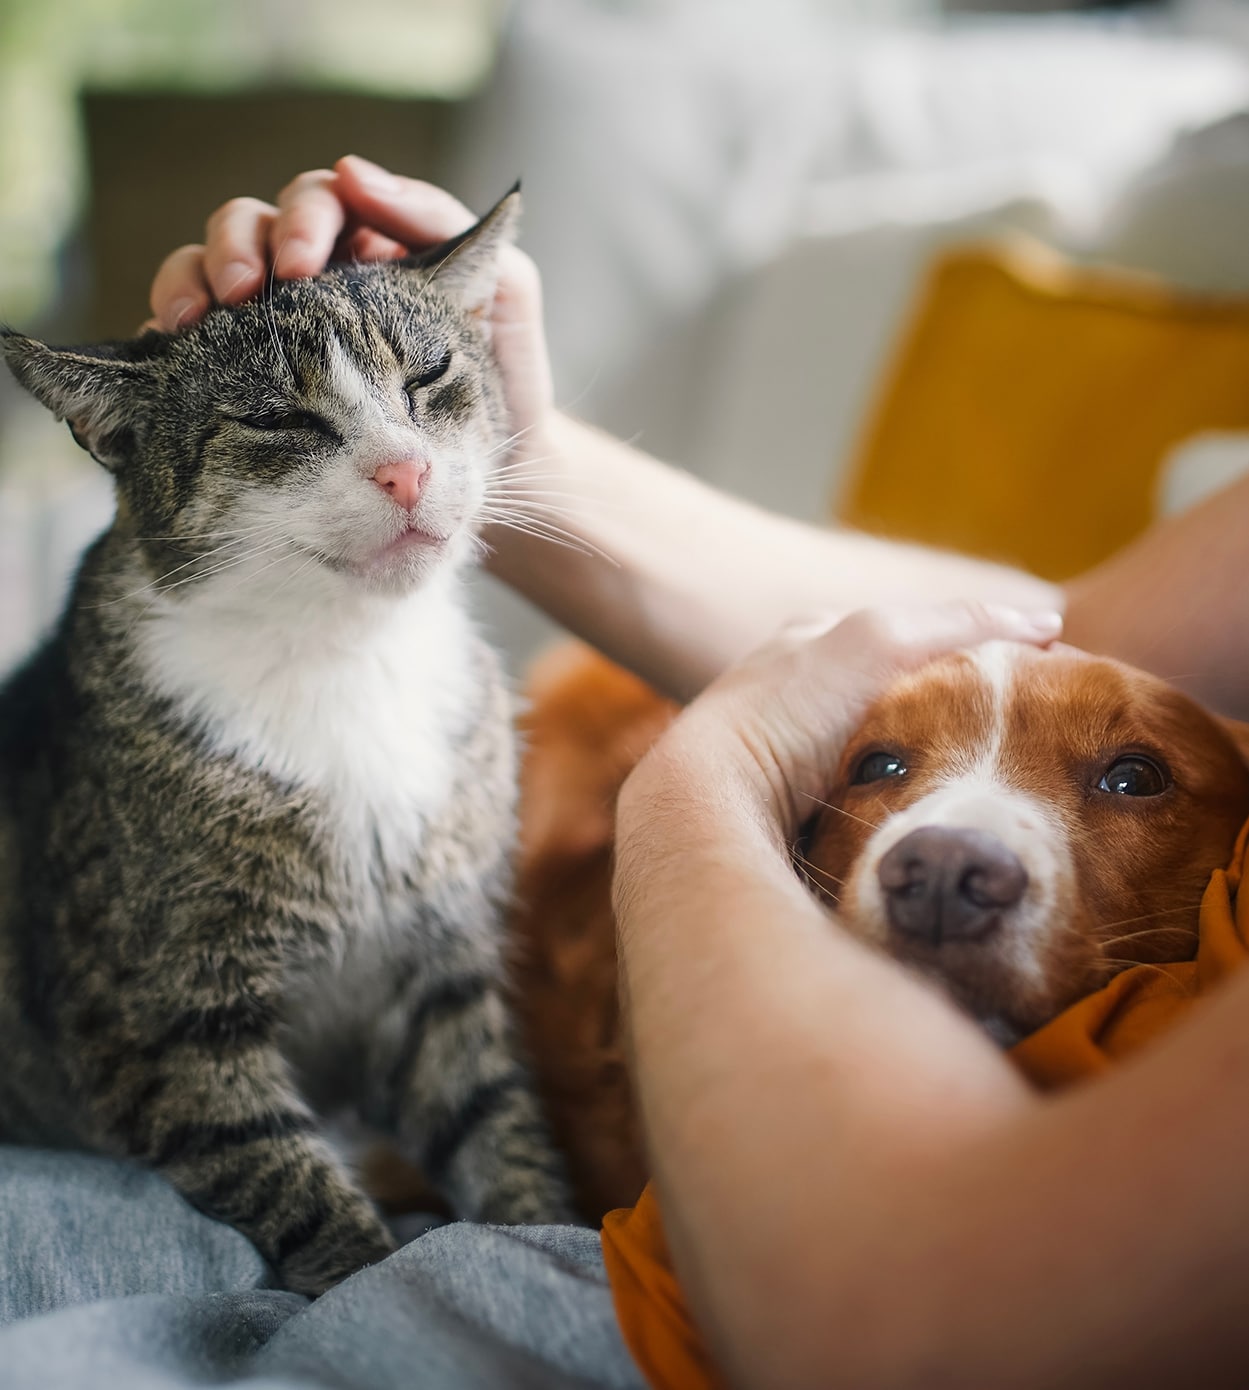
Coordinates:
<point>1132,1009</point>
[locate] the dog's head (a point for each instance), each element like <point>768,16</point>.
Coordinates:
<point>1021,825</point>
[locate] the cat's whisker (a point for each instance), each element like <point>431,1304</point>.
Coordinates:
<point>525,460</point>
<point>523,494</point>
<point>313,559</point>
<point>270,314</point>
<point>571,405</point>
<point>208,554</point>
<point>536,507</point>
<point>509,492</point>
<point>158,584</point>
<point>531,471</point>
<point>214,535</point>
<point>233,563</point>
<point>513,438</point>
<point>584,547</point>
<point>538,496</point>
<point>540,526</point>
<point>509,487</point>
<point>247,577</point>
<point>534,526</point>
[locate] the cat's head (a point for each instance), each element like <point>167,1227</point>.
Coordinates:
<point>347,421</point>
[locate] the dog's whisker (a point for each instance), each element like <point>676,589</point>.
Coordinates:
<point>809,868</point>
<point>1117,967</point>
<point>841,811</point>
<point>1192,908</point>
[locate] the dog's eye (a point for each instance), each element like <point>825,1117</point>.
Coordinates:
<point>1134,776</point>
<point>875,767</point>
<point>431,374</point>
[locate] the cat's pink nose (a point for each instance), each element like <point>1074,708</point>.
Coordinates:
<point>403,480</point>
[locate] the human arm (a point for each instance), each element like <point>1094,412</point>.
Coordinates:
<point>668,575</point>
<point>1176,602</point>
<point>857,1188</point>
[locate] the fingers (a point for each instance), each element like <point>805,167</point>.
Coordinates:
<point>236,251</point>
<point>309,219</point>
<point>916,635</point>
<point>357,209</point>
<point>408,210</point>
<point>229,268</point>
<point>364,244</point>
<point>180,292</point>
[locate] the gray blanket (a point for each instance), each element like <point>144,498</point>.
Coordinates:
<point>111,1281</point>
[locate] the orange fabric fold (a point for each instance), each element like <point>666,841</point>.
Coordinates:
<point>1133,1009</point>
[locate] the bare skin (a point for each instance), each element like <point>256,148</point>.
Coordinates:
<point>858,1189</point>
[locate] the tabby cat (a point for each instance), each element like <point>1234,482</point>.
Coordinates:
<point>256,792</point>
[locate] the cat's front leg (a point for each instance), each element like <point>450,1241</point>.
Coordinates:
<point>450,1085</point>
<point>203,1095</point>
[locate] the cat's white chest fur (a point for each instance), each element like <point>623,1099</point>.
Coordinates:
<point>356,697</point>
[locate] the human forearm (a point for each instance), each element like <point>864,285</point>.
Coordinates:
<point>664,573</point>
<point>1176,603</point>
<point>792,1084</point>
<point>856,1188</point>
<point>677,580</point>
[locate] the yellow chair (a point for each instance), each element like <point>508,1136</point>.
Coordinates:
<point>1032,401</point>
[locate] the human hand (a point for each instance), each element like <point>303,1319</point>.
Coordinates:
<point>355,210</point>
<point>772,729</point>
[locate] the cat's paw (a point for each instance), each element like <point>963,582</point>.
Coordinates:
<point>320,1264</point>
<point>529,1199</point>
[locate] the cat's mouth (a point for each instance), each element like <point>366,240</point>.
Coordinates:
<point>412,541</point>
<point>411,536</point>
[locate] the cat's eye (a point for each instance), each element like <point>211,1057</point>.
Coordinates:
<point>432,373</point>
<point>875,767</point>
<point>1134,775</point>
<point>289,421</point>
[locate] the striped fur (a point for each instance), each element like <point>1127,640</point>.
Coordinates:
<point>257,799</point>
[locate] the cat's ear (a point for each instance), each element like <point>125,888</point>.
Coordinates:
<point>96,390</point>
<point>467,267</point>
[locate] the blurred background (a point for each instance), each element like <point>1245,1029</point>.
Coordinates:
<point>738,207</point>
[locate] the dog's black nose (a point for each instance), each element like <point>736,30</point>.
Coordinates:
<point>948,884</point>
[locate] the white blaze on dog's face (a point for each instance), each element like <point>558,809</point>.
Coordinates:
<point>1021,825</point>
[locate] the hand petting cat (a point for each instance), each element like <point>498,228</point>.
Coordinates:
<point>357,210</point>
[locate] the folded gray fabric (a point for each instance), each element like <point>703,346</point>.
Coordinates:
<point>111,1281</point>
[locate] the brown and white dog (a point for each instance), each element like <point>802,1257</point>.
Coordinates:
<point>1017,825</point>
<point>1022,825</point>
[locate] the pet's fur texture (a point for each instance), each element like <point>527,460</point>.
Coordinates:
<point>1007,745</point>
<point>257,790</point>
